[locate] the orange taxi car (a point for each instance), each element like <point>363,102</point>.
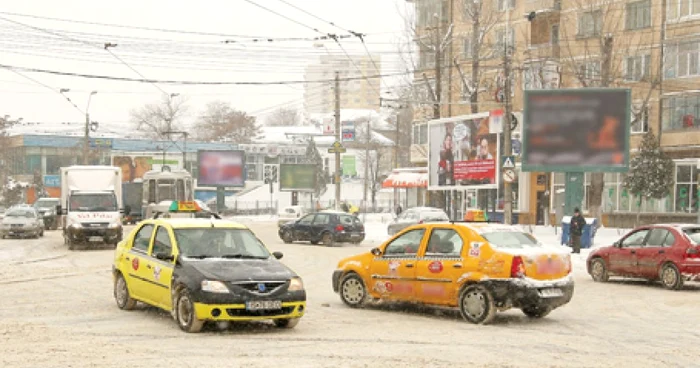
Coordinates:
<point>479,268</point>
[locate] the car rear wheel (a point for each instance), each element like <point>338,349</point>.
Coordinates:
<point>476,304</point>
<point>599,272</point>
<point>121,294</point>
<point>670,277</point>
<point>287,237</point>
<point>536,312</point>
<point>353,291</point>
<point>286,323</point>
<point>185,315</point>
<point>327,239</point>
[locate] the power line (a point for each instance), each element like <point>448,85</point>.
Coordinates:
<point>283,16</point>
<point>46,86</point>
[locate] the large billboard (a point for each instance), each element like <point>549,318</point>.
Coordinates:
<point>298,177</point>
<point>221,168</point>
<point>462,152</point>
<point>133,167</point>
<point>576,130</point>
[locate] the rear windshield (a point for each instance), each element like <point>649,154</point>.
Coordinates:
<point>693,233</point>
<point>349,220</point>
<point>511,239</point>
<point>434,216</point>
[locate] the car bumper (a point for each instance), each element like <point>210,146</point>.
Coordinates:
<point>238,312</point>
<point>20,231</point>
<point>84,234</point>
<point>520,293</point>
<point>337,274</point>
<point>690,270</point>
<point>346,237</point>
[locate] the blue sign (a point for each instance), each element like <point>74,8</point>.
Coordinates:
<point>52,181</point>
<point>517,146</point>
<point>348,131</point>
<point>100,142</point>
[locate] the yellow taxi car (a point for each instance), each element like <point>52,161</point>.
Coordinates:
<point>479,268</point>
<point>205,270</point>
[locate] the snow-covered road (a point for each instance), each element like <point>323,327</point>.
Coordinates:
<point>58,311</point>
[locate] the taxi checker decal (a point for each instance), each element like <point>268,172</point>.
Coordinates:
<point>394,266</point>
<point>156,273</point>
<point>435,267</point>
<point>475,249</point>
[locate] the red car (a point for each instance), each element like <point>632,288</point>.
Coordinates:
<point>666,252</point>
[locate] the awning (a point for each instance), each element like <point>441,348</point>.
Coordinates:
<point>407,178</point>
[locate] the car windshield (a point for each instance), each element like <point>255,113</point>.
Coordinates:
<point>20,213</point>
<point>693,233</point>
<point>46,203</point>
<point>97,202</point>
<point>511,239</point>
<point>220,243</point>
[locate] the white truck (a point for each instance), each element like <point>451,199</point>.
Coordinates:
<point>91,202</point>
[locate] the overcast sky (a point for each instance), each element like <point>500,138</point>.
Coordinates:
<point>75,46</point>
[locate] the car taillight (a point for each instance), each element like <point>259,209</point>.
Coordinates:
<point>517,268</point>
<point>692,252</point>
<point>339,228</point>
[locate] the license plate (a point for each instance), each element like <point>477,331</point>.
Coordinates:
<point>355,235</point>
<point>95,239</point>
<point>551,293</point>
<point>263,305</point>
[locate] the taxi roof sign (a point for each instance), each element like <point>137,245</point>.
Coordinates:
<point>184,206</point>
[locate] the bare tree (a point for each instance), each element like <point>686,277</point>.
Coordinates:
<point>157,118</point>
<point>284,116</point>
<point>604,51</point>
<point>7,194</point>
<point>221,122</point>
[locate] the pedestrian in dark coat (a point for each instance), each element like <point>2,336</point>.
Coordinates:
<point>576,230</point>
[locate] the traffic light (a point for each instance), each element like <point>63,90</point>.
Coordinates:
<point>270,174</point>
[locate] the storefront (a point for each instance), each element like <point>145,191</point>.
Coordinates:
<point>410,186</point>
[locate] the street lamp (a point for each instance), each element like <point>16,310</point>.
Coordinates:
<point>88,127</point>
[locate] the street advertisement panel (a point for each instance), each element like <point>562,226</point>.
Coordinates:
<point>221,168</point>
<point>297,177</point>
<point>133,167</point>
<point>576,130</point>
<point>348,166</point>
<point>462,152</point>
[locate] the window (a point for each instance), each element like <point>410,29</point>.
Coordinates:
<point>589,73</point>
<point>554,36</point>
<point>322,219</point>
<point>640,119</point>
<point>657,237</point>
<point>503,39</point>
<point>682,9</point>
<point>162,242</point>
<point>427,58</point>
<point>635,239</point>
<point>420,133</point>
<point>407,243</point>
<point>638,15</point>
<point>467,51</point>
<point>511,239</point>
<point>589,24</point>
<point>637,67</point>
<point>306,220</point>
<point>686,188</point>
<point>681,112</point>
<point>143,238</point>
<point>427,9</point>
<point>444,243</point>
<point>682,59</point>
<point>504,5</point>
<point>541,75</point>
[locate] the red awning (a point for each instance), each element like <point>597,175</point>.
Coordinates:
<point>407,178</point>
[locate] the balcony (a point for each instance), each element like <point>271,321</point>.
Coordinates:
<point>543,51</point>
<point>542,6</point>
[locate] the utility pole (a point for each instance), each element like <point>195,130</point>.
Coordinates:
<point>660,72</point>
<point>367,163</point>
<point>86,140</point>
<point>338,139</point>
<point>507,148</point>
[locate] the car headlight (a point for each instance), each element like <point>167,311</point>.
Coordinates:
<point>214,287</point>
<point>76,225</point>
<point>114,225</point>
<point>295,284</point>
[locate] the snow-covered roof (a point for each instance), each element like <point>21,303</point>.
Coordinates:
<point>380,121</point>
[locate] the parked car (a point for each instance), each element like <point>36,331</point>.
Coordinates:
<point>22,222</point>
<point>327,227</point>
<point>416,215</point>
<point>669,253</point>
<point>478,268</point>
<point>47,210</point>
<point>290,213</point>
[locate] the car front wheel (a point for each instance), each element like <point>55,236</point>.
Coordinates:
<point>287,237</point>
<point>286,323</point>
<point>476,304</point>
<point>353,291</point>
<point>185,314</point>
<point>537,312</point>
<point>599,272</point>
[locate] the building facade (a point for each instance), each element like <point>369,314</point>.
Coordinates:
<point>564,44</point>
<point>360,93</point>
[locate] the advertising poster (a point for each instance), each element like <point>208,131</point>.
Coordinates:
<point>297,177</point>
<point>132,167</point>
<point>576,130</point>
<point>348,165</point>
<point>221,168</point>
<point>462,153</point>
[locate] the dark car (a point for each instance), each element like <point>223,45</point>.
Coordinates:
<point>327,227</point>
<point>47,210</point>
<point>669,253</point>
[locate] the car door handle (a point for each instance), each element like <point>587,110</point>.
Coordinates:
<point>457,265</point>
<point>128,259</point>
<point>148,266</point>
<point>633,251</point>
<point>662,251</point>
<point>409,265</point>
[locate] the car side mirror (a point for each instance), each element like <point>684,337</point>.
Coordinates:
<point>618,244</point>
<point>376,251</point>
<point>277,255</point>
<point>165,256</point>
<point>59,210</point>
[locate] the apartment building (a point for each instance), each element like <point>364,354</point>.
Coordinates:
<point>319,98</point>
<point>572,44</point>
